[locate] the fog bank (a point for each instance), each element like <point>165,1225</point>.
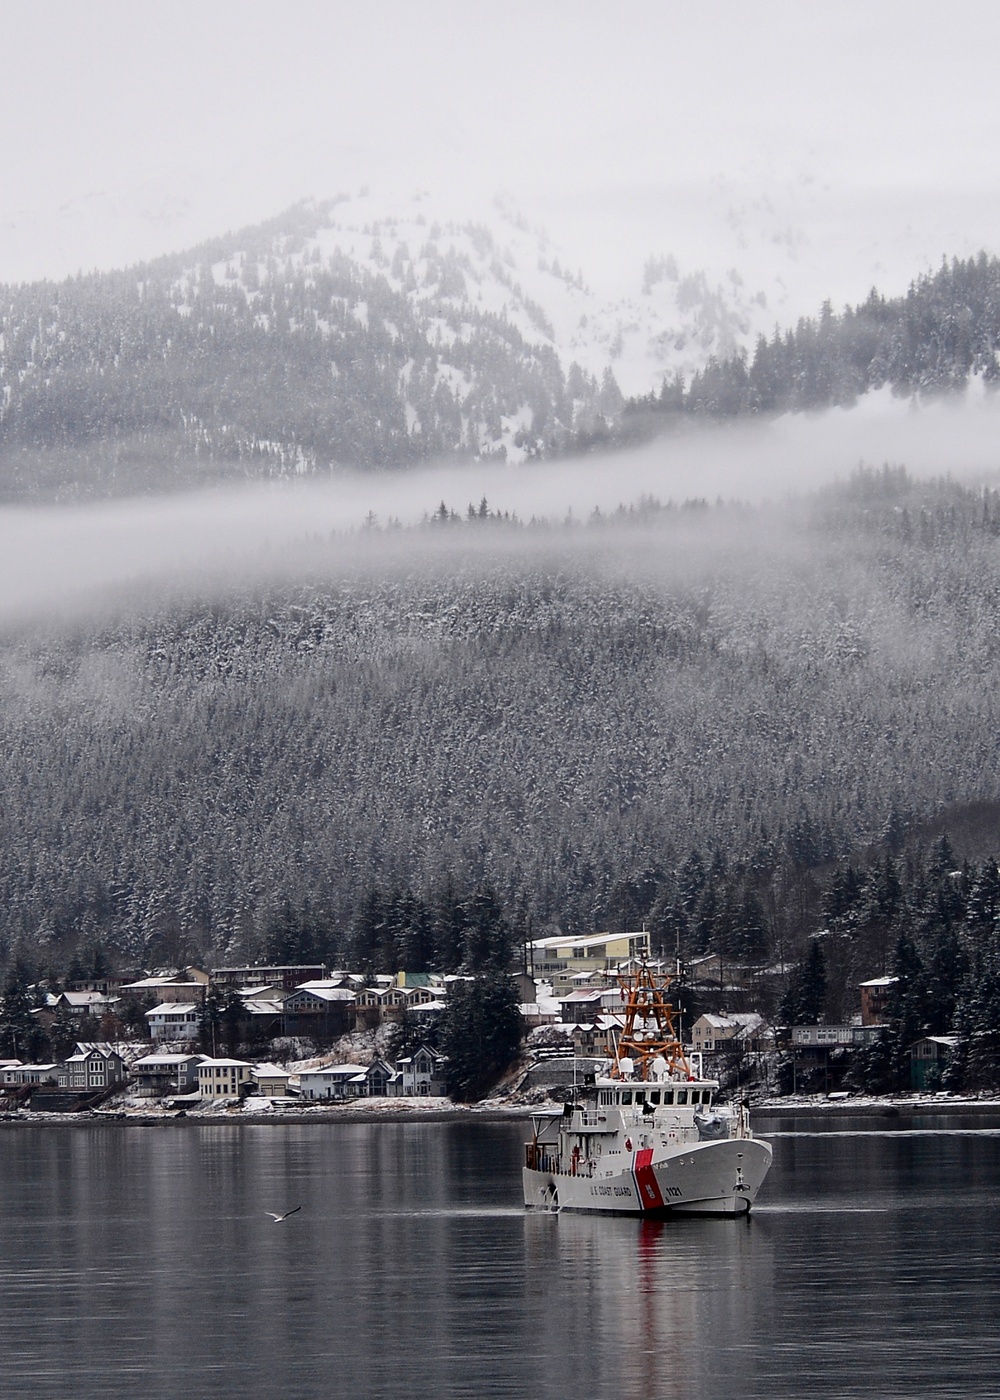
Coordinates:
<point>59,560</point>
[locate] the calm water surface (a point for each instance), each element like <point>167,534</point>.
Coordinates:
<point>139,1262</point>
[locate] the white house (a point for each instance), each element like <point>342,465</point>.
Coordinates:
<point>81,1003</point>
<point>334,1082</point>
<point>174,1020</point>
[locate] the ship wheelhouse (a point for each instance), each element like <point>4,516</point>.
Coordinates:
<point>627,1095</point>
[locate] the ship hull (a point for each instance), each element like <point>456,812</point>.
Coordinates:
<point>711,1178</point>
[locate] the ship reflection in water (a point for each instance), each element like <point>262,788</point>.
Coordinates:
<point>143,1261</point>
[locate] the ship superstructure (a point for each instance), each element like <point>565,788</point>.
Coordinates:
<point>648,1135</point>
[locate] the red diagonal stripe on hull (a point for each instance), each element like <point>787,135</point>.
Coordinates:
<point>645,1181</point>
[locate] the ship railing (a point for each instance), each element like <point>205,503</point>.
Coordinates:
<point>538,1160</point>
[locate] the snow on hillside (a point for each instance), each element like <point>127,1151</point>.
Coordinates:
<point>500,263</point>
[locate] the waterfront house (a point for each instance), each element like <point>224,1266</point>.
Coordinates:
<point>163,1073</point>
<point>820,1053</point>
<point>189,985</point>
<point>93,1067</point>
<point>32,1074</point>
<point>261,1018</point>
<point>271,1081</point>
<point>223,1079</point>
<point>378,1075</point>
<point>930,1053</point>
<point>850,1036</point>
<point>334,1082</point>
<point>379,1003</point>
<point>420,1075</point>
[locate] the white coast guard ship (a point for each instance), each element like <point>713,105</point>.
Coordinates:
<point>647,1137</point>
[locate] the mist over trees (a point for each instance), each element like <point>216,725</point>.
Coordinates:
<point>946,328</point>
<point>722,721</point>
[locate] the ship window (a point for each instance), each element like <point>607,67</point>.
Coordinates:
<point>640,1094</point>
<point>654,1096</point>
<point>668,1096</point>
<point>682,1096</point>
<point>695,1096</point>
<point>626,1096</point>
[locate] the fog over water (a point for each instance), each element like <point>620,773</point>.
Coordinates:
<point>59,559</point>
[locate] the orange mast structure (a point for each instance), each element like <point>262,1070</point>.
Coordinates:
<point>648,1027</point>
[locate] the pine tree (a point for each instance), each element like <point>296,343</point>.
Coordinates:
<point>480,1033</point>
<point>805,997</point>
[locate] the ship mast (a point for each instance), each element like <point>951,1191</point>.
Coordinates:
<point>648,1025</point>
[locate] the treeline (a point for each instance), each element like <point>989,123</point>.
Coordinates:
<point>946,328</point>
<point>932,922</point>
<point>689,717</point>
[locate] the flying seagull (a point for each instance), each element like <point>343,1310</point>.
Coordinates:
<point>279,1218</point>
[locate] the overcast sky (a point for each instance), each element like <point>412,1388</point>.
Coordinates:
<point>130,127</point>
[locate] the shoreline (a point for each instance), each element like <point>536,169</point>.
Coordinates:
<point>443,1112</point>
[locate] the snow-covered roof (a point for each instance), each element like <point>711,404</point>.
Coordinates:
<point>590,940</point>
<point>148,983</point>
<point>337,1071</point>
<point>879,982</point>
<point>175,1008</point>
<point>81,1000</point>
<point>165,1061</point>
<point>86,1052</point>
<point>225,1064</point>
<point>271,1072</point>
<point>331,994</point>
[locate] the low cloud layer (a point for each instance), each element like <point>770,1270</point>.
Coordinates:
<point>61,560</point>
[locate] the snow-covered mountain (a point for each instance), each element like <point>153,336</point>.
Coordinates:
<point>374,330</point>
<point>354,332</point>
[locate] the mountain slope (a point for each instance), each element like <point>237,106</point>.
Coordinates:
<point>333,337</point>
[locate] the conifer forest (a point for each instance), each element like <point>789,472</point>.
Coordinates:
<point>741,725</point>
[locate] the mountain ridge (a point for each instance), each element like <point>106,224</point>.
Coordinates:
<point>341,336</point>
